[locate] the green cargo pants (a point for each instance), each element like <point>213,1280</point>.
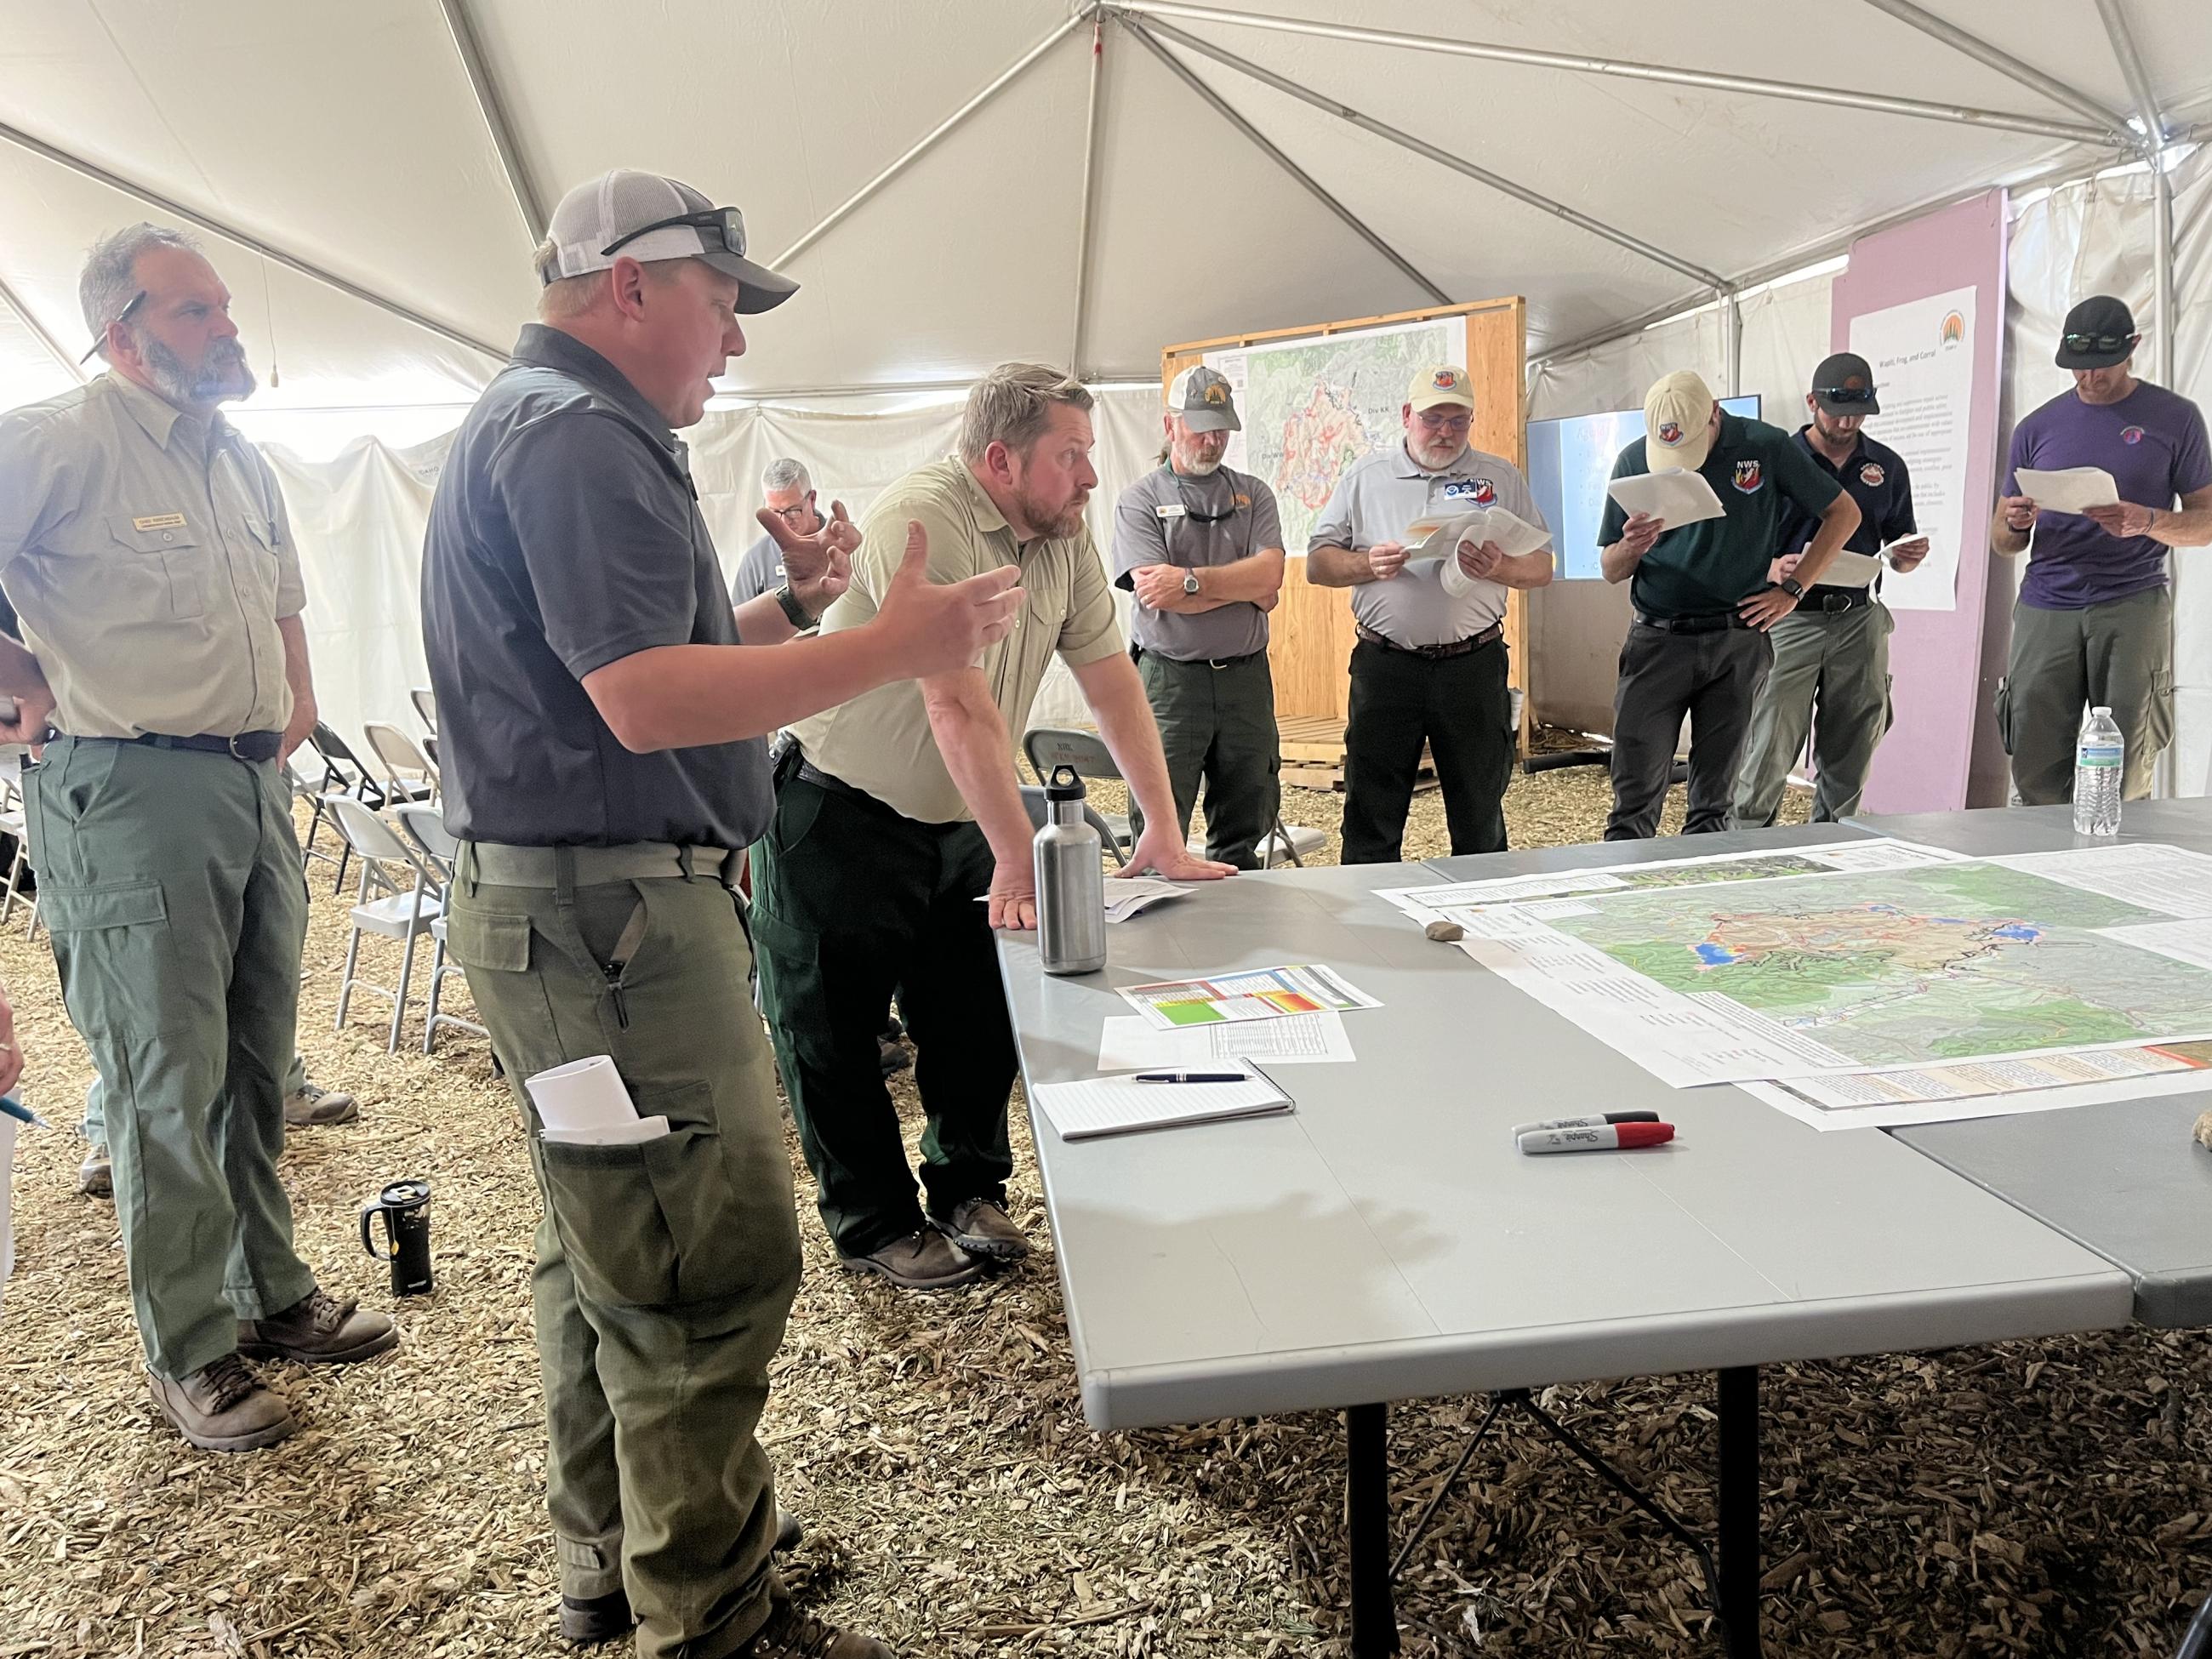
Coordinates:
<point>171,882</point>
<point>1840,660</point>
<point>2117,655</point>
<point>1218,725</point>
<point>665,1270</point>
<point>94,1129</point>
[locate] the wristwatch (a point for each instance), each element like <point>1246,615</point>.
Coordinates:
<point>1792,587</point>
<point>1190,582</point>
<point>801,618</point>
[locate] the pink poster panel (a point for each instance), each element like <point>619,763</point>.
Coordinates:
<point>1924,303</point>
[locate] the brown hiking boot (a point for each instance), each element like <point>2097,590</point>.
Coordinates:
<point>598,1619</point>
<point>95,1176</point>
<point>982,1227</point>
<point>924,1260</point>
<point>223,1406</point>
<point>314,1109</point>
<point>792,1635</point>
<point>319,1331</point>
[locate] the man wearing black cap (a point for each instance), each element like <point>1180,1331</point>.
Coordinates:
<point>1833,649</point>
<point>2094,626</point>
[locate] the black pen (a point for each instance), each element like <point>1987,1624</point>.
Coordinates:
<point>1190,1076</point>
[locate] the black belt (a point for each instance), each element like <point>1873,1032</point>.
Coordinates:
<point>1433,652</point>
<point>1825,597</point>
<point>245,746</point>
<point>1714,623</point>
<point>1137,652</point>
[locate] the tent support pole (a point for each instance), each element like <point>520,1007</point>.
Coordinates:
<point>489,105</point>
<point>2006,65</point>
<point>1266,147</point>
<point>1837,97</point>
<point>1006,77</point>
<point>1441,157</point>
<point>244,239</point>
<point>2152,136</point>
<point>1089,207</point>
<point>1732,321</point>
<point>37,331</point>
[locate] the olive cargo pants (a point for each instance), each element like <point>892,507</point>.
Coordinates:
<point>665,1270</point>
<point>172,884</point>
<point>2117,655</point>
<point>1838,659</point>
<point>1218,725</point>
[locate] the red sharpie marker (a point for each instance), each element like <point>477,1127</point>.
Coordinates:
<point>1600,1137</point>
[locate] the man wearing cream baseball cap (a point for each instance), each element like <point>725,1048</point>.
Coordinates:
<point>1700,598</point>
<point>1430,668</point>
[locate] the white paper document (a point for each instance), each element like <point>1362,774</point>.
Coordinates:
<point>1673,495</point>
<point>1127,896</point>
<point>1250,994</point>
<point>1112,1106</point>
<point>1892,1100</point>
<point>1438,537</point>
<point>2171,880</point>
<point>586,1103</point>
<point>2070,489</point>
<point>1127,1042</point>
<point>1849,569</point>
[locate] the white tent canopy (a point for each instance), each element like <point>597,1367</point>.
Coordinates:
<point>378,164</point>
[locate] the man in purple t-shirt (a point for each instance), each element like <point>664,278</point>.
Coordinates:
<point>2094,624</point>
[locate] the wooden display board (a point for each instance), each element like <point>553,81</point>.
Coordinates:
<point>1310,634</point>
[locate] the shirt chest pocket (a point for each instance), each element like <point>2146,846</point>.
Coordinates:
<point>151,574</point>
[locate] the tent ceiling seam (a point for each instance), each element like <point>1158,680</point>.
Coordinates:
<point>9,298</point>
<point>493,109</point>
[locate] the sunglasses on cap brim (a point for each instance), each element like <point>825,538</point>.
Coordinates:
<point>2098,342</point>
<point>1844,394</point>
<point>726,225</point>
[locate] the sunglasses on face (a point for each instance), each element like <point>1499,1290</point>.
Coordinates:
<point>1844,394</point>
<point>2098,342</point>
<point>726,225</point>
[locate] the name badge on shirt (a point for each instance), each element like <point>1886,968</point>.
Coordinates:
<point>159,521</point>
<point>1170,510</point>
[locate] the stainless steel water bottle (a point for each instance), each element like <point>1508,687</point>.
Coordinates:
<point>1071,887</point>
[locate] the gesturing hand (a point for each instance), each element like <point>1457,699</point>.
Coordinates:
<point>937,628</point>
<point>820,567</point>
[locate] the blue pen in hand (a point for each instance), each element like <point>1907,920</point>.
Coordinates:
<point>22,1114</point>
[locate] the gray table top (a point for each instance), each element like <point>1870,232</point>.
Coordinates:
<point>1386,1242</point>
<point>2123,1178</point>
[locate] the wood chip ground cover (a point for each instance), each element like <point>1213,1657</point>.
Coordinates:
<point>2041,1498</point>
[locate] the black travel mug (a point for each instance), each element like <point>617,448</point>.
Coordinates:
<point>406,1207</point>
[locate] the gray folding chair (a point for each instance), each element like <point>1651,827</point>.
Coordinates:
<point>1038,808</point>
<point>426,706</point>
<point>13,824</point>
<point>409,774</point>
<point>426,826</point>
<point>393,907</point>
<point>1048,747</point>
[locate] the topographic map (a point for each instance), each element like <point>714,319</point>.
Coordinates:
<point>1312,407</point>
<point>1908,966</point>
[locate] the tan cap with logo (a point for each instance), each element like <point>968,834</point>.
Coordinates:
<point>1678,422</point>
<point>1440,383</point>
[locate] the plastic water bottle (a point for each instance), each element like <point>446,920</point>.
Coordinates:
<point>1071,886</point>
<point>2099,762</point>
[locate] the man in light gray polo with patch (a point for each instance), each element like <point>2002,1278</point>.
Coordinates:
<point>1201,548</point>
<point>1430,668</point>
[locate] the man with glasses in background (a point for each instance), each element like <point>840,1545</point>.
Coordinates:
<point>2093,624</point>
<point>1833,649</point>
<point>790,496</point>
<point>1201,548</point>
<point>1430,668</point>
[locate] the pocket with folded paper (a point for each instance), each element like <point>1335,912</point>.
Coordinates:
<point>586,1103</point>
<point>1673,496</point>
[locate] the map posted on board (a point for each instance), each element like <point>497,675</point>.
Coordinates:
<point>1313,406</point>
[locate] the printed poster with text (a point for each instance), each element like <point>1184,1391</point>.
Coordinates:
<point>1923,355</point>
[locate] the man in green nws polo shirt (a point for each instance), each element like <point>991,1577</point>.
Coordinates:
<point>1702,602</point>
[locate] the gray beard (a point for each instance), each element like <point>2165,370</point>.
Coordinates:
<point>222,376</point>
<point>1191,467</point>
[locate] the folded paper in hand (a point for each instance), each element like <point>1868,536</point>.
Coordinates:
<point>1849,569</point>
<point>1435,538</point>
<point>1672,496</point>
<point>586,1103</point>
<point>2069,489</point>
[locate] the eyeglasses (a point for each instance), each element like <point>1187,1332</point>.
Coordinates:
<point>1436,423</point>
<point>1844,394</point>
<point>2098,342</point>
<point>122,316</point>
<point>726,224</point>
<point>798,512</point>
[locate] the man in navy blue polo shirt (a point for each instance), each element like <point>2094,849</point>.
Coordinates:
<point>1833,651</point>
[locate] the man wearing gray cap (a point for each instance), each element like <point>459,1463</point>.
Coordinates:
<point>604,715</point>
<point>1201,548</point>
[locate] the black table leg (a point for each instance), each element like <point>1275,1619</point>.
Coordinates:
<point>1367,1502</point>
<point>1739,1511</point>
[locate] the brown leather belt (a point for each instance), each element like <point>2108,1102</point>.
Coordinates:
<point>1433,652</point>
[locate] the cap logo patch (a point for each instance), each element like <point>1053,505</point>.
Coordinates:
<point>1670,433</point>
<point>1870,475</point>
<point>2133,434</point>
<point>1444,380</point>
<point>1217,394</point>
<point>1749,475</point>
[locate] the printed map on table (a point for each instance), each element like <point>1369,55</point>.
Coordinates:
<point>1312,407</point>
<point>1912,967</point>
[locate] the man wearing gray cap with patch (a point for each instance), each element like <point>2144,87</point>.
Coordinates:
<point>1201,548</point>
<point>605,709</point>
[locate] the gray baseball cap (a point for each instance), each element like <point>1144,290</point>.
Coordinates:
<point>1202,398</point>
<point>645,216</point>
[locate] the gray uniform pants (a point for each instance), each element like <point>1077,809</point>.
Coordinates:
<point>1836,663</point>
<point>1714,677</point>
<point>171,882</point>
<point>665,1270</point>
<point>94,1126</point>
<point>2117,655</point>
